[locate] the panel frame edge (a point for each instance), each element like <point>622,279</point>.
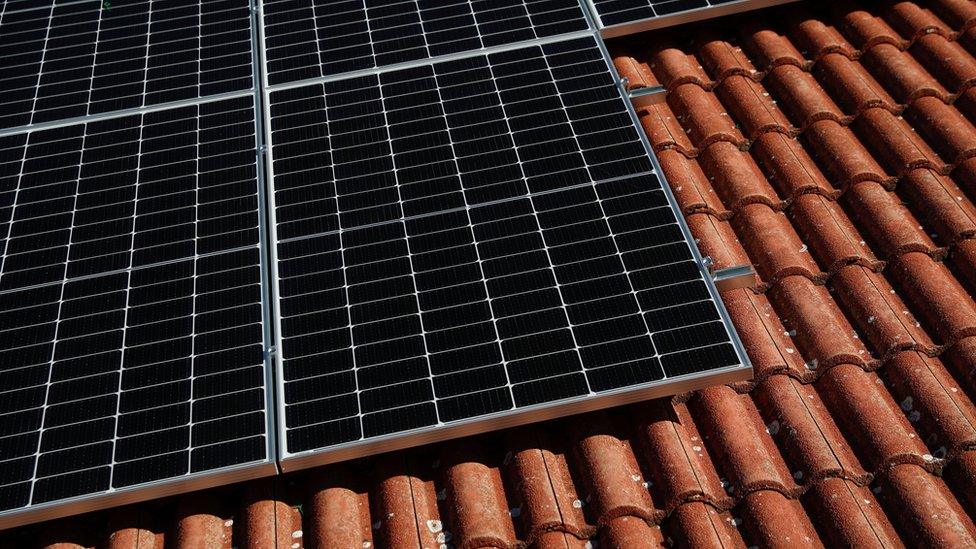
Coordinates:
<point>682,17</point>
<point>265,240</point>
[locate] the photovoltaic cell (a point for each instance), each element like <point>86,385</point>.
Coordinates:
<point>474,237</point>
<point>73,58</point>
<point>314,38</point>
<point>131,324</point>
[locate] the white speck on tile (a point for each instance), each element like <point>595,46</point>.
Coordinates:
<point>434,526</point>
<point>577,504</point>
<point>635,478</point>
<point>228,523</point>
<point>297,534</point>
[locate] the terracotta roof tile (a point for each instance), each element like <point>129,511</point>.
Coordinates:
<point>832,146</point>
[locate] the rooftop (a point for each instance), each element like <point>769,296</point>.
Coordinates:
<point>834,149</point>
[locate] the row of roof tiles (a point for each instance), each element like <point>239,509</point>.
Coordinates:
<point>835,149</point>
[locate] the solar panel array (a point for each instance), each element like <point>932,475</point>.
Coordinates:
<point>132,333</point>
<point>130,302</point>
<point>471,237</point>
<point>314,38</point>
<point>464,220</point>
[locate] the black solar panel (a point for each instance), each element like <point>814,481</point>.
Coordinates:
<point>72,58</point>
<point>181,343</point>
<point>131,323</point>
<point>127,192</point>
<point>474,237</point>
<point>621,12</point>
<point>314,38</point>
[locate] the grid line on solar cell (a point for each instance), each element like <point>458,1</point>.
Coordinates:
<point>174,184</point>
<point>307,39</point>
<point>81,58</point>
<point>469,237</point>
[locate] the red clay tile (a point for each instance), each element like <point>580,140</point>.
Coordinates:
<point>816,324</point>
<point>196,526</point>
<point>337,513</point>
<point>693,193</point>
<point>765,338</point>
<point>267,521</point>
<point>710,124</point>
<point>879,313</point>
<point>627,531</point>
<point>947,309</point>
<point>673,68</point>
<point>738,439</point>
<point>736,177</point>
<point>475,499</point>
<point>773,245</point>
<point>873,421</point>
<point>670,452</point>
<point>129,527</point>
<point>963,260</point>
<point>772,520</point>
<point>959,14</point>
<point>933,402</point>
<point>846,513</point>
<point>800,424</point>
<point>913,21</point>
<point>546,496</point>
<point>960,475</point>
<point>697,524</point>
<point>925,510</point>
<point>832,237</point>
<point>614,485</point>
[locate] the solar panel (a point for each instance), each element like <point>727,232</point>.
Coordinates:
<point>73,58</point>
<point>86,199</point>
<point>314,38</point>
<point>131,322</point>
<point>619,17</point>
<point>474,241</point>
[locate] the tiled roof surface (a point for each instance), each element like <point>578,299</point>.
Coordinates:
<point>836,150</point>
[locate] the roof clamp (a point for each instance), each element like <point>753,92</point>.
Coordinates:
<point>647,96</point>
<point>730,278</point>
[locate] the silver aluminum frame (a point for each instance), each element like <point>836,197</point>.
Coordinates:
<point>517,416</point>
<point>204,479</point>
<point>681,17</point>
